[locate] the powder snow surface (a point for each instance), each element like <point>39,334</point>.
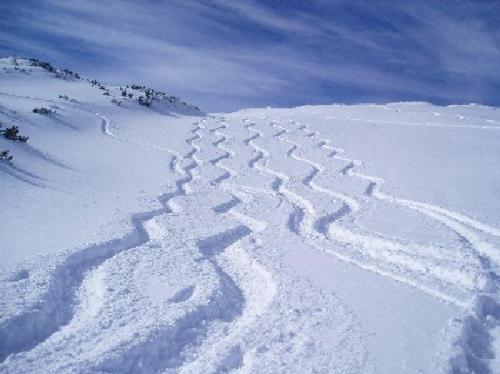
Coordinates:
<point>325,239</point>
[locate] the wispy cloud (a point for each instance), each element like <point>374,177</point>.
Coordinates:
<point>226,54</point>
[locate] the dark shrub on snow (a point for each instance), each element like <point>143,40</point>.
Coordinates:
<point>144,101</point>
<point>12,133</point>
<point>42,111</point>
<point>4,155</point>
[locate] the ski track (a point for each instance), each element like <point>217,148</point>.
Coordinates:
<point>56,307</point>
<point>304,221</point>
<point>486,306</point>
<point>215,330</point>
<point>253,301</point>
<point>417,124</point>
<point>300,205</point>
<point>244,301</point>
<point>164,345</point>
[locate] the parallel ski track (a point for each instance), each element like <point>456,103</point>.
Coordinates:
<point>238,275</point>
<point>255,300</point>
<point>303,222</point>
<point>486,306</point>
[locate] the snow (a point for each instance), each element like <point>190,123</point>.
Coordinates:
<point>349,239</point>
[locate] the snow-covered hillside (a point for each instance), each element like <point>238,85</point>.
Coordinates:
<point>141,235</point>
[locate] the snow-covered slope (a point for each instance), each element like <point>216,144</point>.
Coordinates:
<point>336,239</point>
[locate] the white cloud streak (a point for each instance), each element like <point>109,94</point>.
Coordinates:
<point>247,52</point>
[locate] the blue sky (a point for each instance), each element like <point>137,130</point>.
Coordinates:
<point>227,54</point>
